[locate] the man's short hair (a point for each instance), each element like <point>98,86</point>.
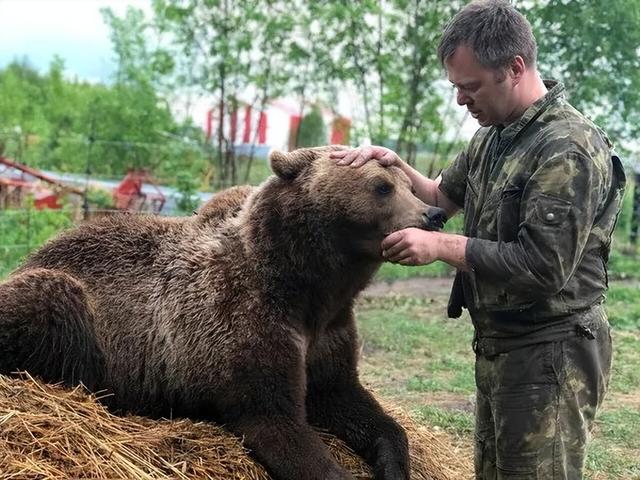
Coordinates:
<point>494,30</point>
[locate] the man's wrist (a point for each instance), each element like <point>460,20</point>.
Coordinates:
<point>451,248</point>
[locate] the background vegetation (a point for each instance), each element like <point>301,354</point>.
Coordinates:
<point>381,50</point>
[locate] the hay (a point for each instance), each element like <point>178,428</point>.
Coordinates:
<point>47,432</point>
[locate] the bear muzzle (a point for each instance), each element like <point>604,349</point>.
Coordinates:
<point>434,218</point>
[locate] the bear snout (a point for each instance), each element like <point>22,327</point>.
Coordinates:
<point>434,218</point>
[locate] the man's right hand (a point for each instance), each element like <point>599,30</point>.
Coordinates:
<point>357,157</point>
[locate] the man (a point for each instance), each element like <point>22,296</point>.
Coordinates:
<point>541,191</point>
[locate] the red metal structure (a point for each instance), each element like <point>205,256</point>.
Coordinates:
<point>129,195</point>
<point>17,179</point>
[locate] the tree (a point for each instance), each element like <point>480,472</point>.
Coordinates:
<point>594,47</point>
<point>312,131</point>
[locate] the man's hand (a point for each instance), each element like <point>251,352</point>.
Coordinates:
<point>413,246</point>
<point>357,157</point>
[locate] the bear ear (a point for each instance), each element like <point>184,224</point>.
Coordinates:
<point>288,165</point>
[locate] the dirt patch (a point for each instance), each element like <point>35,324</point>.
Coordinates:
<point>628,400</point>
<point>429,287</point>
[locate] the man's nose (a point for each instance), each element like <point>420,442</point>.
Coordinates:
<point>462,99</point>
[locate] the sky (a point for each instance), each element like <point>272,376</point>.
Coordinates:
<point>73,29</point>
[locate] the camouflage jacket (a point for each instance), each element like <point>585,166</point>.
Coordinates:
<point>540,199</point>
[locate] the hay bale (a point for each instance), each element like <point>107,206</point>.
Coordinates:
<point>47,432</point>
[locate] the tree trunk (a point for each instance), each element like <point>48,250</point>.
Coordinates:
<point>415,94</point>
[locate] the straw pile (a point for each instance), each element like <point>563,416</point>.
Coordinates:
<point>47,432</point>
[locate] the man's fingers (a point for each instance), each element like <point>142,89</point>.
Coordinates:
<point>408,260</point>
<point>359,161</point>
<point>402,257</point>
<point>387,159</point>
<point>348,158</point>
<point>338,153</point>
<point>364,154</point>
<point>396,251</point>
<point>357,157</point>
<point>394,247</point>
<point>391,239</point>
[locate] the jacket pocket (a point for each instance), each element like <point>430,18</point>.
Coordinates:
<point>551,211</point>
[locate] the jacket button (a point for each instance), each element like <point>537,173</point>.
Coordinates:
<point>550,216</point>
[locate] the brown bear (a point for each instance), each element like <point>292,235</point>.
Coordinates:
<point>242,314</point>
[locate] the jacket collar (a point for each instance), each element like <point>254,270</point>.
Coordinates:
<point>555,91</point>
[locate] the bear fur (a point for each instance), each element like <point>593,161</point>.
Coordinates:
<point>242,314</point>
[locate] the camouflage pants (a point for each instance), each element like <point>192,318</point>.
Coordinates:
<point>536,404</point>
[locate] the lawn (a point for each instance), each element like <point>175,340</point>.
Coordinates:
<point>416,357</point>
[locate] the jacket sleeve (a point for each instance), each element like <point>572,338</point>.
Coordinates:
<point>454,179</point>
<point>557,210</point>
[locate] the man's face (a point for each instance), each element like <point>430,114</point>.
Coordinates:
<point>487,93</point>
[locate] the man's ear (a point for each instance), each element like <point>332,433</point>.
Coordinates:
<point>289,165</point>
<point>517,69</point>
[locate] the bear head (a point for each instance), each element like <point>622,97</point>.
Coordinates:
<point>361,205</point>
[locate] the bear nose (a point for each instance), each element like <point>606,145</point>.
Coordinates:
<point>434,218</point>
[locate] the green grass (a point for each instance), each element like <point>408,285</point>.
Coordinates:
<point>620,425</point>
<point>603,461</point>
<point>626,362</point>
<point>616,439</point>
<point>615,448</point>
<point>623,306</point>
<point>624,262</point>
<point>417,358</point>
<point>456,422</point>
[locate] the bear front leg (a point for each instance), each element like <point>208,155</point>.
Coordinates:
<point>336,401</point>
<point>288,449</point>
<point>263,402</point>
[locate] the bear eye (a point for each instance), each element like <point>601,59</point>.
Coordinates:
<point>384,188</point>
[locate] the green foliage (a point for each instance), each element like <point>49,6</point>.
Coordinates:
<point>21,231</point>
<point>187,201</point>
<point>593,47</point>
<point>47,121</point>
<point>100,199</point>
<point>313,132</point>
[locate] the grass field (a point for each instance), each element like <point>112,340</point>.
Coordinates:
<point>415,356</point>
